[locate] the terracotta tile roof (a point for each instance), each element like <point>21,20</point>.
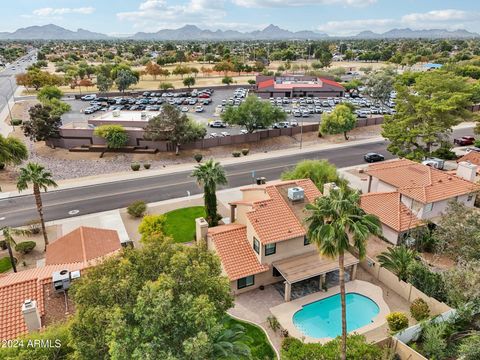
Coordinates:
<point>15,288</point>
<point>420,182</point>
<point>82,245</point>
<point>472,157</point>
<point>273,219</point>
<point>236,254</point>
<point>390,210</point>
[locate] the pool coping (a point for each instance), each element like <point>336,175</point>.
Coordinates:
<point>284,312</point>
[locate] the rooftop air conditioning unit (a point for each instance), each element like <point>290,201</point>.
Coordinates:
<point>62,279</point>
<point>296,194</point>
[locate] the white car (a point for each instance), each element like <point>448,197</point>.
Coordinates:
<point>89,97</point>
<point>217,124</point>
<point>224,133</point>
<point>199,109</point>
<point>213,135</point>
<point>184,109</point>
<point>243,131</point>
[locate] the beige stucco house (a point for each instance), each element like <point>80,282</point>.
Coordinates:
<point>405,194</point>
<point>266,241</point>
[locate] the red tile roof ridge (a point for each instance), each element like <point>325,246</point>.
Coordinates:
<point>220,229</point>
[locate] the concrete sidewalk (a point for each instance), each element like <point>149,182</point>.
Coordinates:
<point>6,129</point>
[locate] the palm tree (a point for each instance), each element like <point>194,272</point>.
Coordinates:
<point>8,233</point>
<point>232,344</point>
<point>397,260</point>
<point>12,151</point>
<point>209,175</point>
<point>331,221</point>
<point>40,179</point>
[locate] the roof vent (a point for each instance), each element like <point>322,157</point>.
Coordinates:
<point>296,194</point>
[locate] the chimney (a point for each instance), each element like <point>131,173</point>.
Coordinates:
<point>467,171</point>
<point>328,187</point>
<point>31,315</point>
<point>201,229</point>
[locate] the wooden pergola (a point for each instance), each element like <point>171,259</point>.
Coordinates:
<point>306,266</point>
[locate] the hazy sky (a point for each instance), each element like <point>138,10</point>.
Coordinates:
<point>336,17</point>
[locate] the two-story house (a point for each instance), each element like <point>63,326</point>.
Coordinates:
<point>266,241</point>
<point>404,194</point>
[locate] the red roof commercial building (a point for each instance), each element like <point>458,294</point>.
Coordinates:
<point>297,86</point>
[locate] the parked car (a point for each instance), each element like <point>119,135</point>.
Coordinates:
<point>184,109</point>
<point>464,141</point>
<point>373,157</point>
<point>213,135</point>
<point>280,125</point>
<point>217,124</point>
<point>243,131</point>
<point>89,97</point>
<point>199,109</point>
<point>225,133</point>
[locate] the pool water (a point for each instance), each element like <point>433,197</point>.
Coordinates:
<point>323,318</point>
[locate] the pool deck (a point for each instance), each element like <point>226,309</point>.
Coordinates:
<point>285,311</point>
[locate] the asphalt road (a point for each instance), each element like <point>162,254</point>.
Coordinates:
<point>19,210</point>
<point>7,78</point>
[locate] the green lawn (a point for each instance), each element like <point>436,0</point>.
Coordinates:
<point>5,264</point>
<point>259,346</point>
<point>180,224</point>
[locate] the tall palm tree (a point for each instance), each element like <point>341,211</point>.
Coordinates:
<point>332,221</point>
<point>8,233</point>
<point>40,179</point>
<point>12,151</point>
<point>209,175</point>
<point>397,260</point>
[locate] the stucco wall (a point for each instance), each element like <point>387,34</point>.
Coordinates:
<point>286,249</point>
<point>390,234</point>
<point>378,185</point>
<point>265,278</point>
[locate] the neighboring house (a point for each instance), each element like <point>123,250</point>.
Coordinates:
<point>267,240</point>
<point>33,299</point>
<point>404,194</point>
<point>472,157</point>
<point>82,245</point>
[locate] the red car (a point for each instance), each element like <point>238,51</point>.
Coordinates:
<point>204,96</point>
<point>464,141</point>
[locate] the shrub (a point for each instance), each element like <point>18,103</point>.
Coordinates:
<point>34,227</point>
<point>16,122</point>
<point>357,348</point>
<point>419,309</point>
<point>147,166</point>
<point>135,166</point>
<point>3,245</point>
<point>273,323</point>
<point>25,247</point>
<point>470,348</point>
<point>236,153</point>
<point>434,342</point>
<point>115,135</point>
<point>137,208</point>
<point>428,282</point>
<point>397,321</point>
<point>198,157</point>
<point>245,152</point>
<point>477,143</point>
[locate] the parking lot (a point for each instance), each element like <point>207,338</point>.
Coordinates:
<point>206,107</point>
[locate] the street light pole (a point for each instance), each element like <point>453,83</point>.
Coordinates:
<point>301,133</point>
<point>9,111</point>
<point>11,87</point>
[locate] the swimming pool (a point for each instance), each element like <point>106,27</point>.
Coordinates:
<point>323,318</point>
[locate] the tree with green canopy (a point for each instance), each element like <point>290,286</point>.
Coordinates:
<point>174,126</point>
<point>341,120</point>
<point>426,113</point>
<point>253,114</point>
